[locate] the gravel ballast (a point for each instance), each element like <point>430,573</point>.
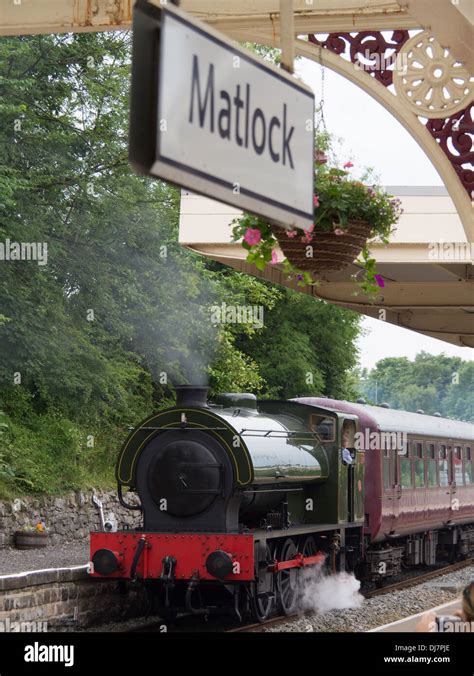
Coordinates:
<point>382,609</point>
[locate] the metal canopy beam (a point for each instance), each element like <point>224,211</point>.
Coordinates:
<point>243,19</point>
<point>450,21</point>
<point>439,310</point>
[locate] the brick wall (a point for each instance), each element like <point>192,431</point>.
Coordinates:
<point>66,597</point>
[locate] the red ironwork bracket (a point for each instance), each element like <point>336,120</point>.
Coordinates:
<point>299,561</point>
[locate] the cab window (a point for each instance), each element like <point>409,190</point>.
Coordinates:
<point>324,427</point>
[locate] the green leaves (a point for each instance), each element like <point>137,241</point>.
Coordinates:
<point>430,382</point>
<point>120,312</point>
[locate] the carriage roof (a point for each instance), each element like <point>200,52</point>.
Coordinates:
<point>395,420</point>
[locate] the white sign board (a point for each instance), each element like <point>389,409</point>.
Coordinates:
<point>227,124</point>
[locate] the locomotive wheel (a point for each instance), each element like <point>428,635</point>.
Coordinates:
<point>309,546</point>
<point>288,580</point>
<point>263,593</point>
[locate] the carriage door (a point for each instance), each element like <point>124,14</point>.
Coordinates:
<point>390,485</point>
<point>445,480</point>
<point>398,456</point>
<point>456,476</point>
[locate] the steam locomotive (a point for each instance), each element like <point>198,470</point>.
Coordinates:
<point>239,497</point>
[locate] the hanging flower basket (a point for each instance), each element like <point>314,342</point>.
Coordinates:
<point>328,250</point>
<point>348,215</point>
<point>31,539</point>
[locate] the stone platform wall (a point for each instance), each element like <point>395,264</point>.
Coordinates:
<point>69,517</point>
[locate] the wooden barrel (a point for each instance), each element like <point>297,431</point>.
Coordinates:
<point>31,539</point>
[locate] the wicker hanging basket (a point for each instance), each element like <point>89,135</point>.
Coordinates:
<point>331,252</point>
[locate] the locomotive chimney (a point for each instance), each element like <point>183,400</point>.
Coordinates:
<point>191,395</point>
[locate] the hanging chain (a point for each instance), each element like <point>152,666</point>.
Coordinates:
<point>321,122</point>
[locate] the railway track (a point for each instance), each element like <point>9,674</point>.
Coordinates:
<point>398,586</point>
<point>419,579</point>
<point>186,623</point>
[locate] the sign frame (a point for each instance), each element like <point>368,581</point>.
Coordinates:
<point>146,156</point>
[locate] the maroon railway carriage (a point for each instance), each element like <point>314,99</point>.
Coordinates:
<point>419,483</point>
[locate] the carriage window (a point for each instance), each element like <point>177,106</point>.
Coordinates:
<point>324,427</point>
<point>468,474</point>
<point>443,466</point>
<point>386,470</point>
<point>457,462</point>
<point>431,474</point>
<point>406,467</point>
<point>419,466</point>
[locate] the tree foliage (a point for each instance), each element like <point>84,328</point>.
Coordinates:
<point>433,383</point>
<point>94,340</point>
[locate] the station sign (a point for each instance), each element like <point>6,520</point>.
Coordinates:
<point>211,117</point>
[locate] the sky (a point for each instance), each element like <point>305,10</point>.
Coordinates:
<point>372,137</point>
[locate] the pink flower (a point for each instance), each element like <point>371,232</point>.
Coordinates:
<point>338,232</point>
<point>380,281</point>
<point>316,201</point>
<point>320,157</point>
<point>274,257</point>
<point>291,233</point>
<point>348,165</point>
<point>252,236</point>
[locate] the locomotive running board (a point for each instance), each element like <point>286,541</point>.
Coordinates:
<point>299,561</point>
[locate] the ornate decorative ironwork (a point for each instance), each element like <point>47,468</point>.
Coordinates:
<point>380,57</point>
<point>454,135</point>
<point>367,50</point>
<point>431,82</point>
